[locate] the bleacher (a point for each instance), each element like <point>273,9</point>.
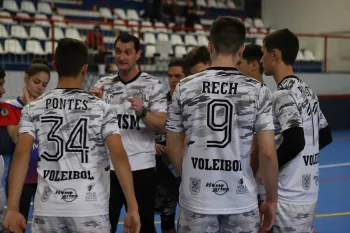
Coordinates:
<point>28,34</point>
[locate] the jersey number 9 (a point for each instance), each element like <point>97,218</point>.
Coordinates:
<point>225,109</point>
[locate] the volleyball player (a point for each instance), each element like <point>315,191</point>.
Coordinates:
<point>219,110</point>
<point>72,128</point>
<point>301,132</point>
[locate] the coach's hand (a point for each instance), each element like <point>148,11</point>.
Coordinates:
<point>98,92</point>
<point>136,104</point>
<point>15,222</point>
<point>268,211</point>
<point>160,149</point>
<point>132,223</point>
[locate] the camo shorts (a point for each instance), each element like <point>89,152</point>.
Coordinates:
<point>100,224</point>
<point>190,222</point>
<point>2,210</point>
<point>294,218</point>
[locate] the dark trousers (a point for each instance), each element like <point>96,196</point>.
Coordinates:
<point>144,185</point>
<point>28,193</point>
<point>167,195</point>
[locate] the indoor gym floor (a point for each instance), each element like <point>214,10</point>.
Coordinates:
<point>333,211</point>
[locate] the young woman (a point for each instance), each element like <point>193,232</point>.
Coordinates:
<point>36,78</point>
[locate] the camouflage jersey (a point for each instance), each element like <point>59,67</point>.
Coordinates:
<point>219,110</point>
<point>137,137</point>
<point>73,168</point>
<point>295,105</point>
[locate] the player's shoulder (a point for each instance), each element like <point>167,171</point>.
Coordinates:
<point>251,81</point>
<point>16,103</point>
<point>290,86</point>
<point>282,93</point>
<point>148,79</point>
<point>221,73</point>
<point>95,100</point>
<point>187,80</point>
<point>109,78</point>
<point>40,100</point>
<point>290,83</point>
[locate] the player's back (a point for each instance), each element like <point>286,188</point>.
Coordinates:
<point>298,183</point>
<point>220,111</point>
<point>73,166</point>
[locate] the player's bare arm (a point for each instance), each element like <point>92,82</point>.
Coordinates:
<point>254,157</point>
<point>122,167</point>
<point>269,172</point>
<point>154,120</point>
<point>175,149</point>
<point>18,170</point>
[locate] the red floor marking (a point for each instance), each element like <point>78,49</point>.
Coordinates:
<point>335,178</point>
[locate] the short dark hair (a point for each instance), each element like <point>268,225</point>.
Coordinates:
<point>227,34</point>
<point>126,38</point>
<point>252,52</point>
<point>2,74</point>
<point>70,56</point>
<point>285,41</point>
<point>37,66</point>
<point>182,63</point>
<point>198,55</point>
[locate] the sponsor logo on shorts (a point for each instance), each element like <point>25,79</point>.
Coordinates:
<point>67,195</point>
<point>316,178</point>
<point>90,194</point>
<point>241,187</point>
<point>45,196</point>
<point>195,185</point>
<point>220,187</point>
<point>306,181</point>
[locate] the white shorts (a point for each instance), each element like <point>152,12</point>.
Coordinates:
<point>230,223</point>
<point>294,218</point>
<point>99,224</point>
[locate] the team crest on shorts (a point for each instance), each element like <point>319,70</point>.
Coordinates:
<point>306,181</point>
<point>46,194</point>
<point>195,185</point>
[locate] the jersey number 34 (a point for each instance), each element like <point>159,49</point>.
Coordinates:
<point>77,140</point>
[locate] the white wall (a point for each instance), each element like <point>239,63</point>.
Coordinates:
<point>307,16</point>
<point>314,16</point>
<point>322,83</point>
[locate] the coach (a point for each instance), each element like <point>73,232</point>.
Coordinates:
<point>141,107</point>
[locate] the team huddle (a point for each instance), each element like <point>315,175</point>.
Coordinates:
<point>236,156</point>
